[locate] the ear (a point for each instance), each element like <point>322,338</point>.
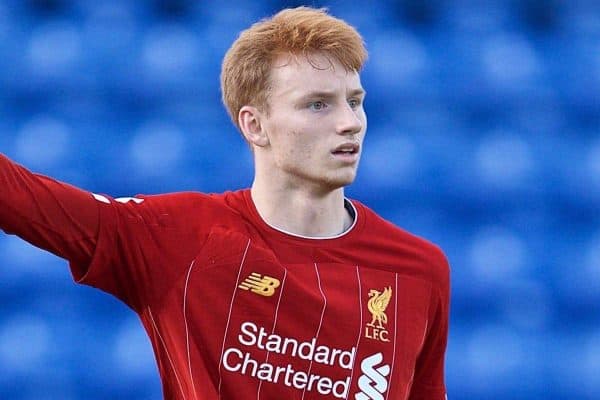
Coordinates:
<point>249,119</point>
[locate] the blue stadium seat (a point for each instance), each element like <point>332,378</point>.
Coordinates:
<point>483,137</point>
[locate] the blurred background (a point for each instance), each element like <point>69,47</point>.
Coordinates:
<point>484,137</point>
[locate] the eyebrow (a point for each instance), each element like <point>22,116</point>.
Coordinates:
<point>329,94</point>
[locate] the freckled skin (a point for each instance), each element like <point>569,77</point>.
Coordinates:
<point>306,144</point>
<point>302,136</point>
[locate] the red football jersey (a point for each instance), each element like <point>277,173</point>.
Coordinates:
<point>237,309</point>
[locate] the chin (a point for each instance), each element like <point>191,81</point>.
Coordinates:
<point>340,181</point>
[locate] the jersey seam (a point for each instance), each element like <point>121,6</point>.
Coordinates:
<point>157,302</point>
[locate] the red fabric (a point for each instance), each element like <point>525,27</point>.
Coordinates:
<point>181,261</point>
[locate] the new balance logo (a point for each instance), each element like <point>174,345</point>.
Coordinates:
<point>373,382</point>
<point>263,285</point>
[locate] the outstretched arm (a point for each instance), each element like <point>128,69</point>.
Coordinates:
<point>52,215</point>
<point>133,248</point>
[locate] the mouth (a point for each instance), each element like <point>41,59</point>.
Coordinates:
<point>347,152</point>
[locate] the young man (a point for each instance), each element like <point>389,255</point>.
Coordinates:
<point>287,290</point>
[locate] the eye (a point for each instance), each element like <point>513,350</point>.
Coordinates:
<point>354,103</point>
<point>317,105</point>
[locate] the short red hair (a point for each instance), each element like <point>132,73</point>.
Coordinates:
<point>247,65</point>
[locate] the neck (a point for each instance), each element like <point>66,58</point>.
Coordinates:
<point>301,211</point>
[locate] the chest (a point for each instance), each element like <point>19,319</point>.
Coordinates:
<point>320,329</point>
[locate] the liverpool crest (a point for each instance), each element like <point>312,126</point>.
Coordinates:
<point>378,302</point>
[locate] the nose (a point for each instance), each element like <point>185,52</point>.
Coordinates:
<point>349,121</point>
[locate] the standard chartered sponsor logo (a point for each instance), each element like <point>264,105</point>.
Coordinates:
<point>239,360</point>
<point>373,382</point>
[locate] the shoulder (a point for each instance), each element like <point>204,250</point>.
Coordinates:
<point>189,208</point>
<point>186,200</point>
<point>403,247</point>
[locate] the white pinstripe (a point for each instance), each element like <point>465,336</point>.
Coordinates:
<point>237,282</point>
<point>320,322</point>
<point>187,336</point>
<point>395,335</point>
<point>412,377</point>
<point>274,324</point>
<point>360,326</point>
<point>166,351</point>
<point>424,333</point>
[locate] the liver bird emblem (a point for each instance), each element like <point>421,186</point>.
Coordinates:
<point>377,304</point>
